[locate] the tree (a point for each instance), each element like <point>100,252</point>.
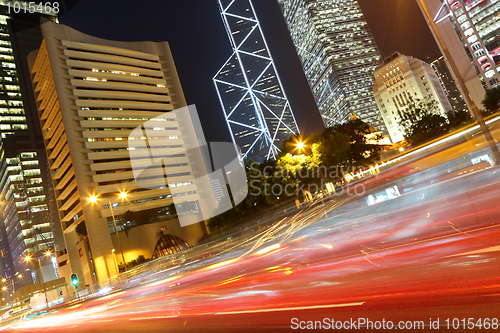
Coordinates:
<point>297,165</point>
<point>360,152</point>
<point>459,118</point>
<point>333,148</point>
<point>81,229</point>
<point>491,101</point>
<point>422,120</point>
<point>129,216</point>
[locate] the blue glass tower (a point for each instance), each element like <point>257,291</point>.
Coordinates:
<point>256,109</point>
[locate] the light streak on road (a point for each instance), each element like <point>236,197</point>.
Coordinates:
<point>221,264</point>
<point>314,307</point>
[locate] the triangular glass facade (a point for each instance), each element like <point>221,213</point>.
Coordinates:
<point>256,109</point>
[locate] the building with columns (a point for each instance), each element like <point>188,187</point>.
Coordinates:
<point>401,81</point>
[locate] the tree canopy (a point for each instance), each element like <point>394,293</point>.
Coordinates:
<point>422,120</point>
<point>303,161</point>
<point>491,101</point>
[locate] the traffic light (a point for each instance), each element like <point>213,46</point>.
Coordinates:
<point>74,279</point>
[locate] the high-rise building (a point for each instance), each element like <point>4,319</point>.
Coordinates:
<point>26,225</point>
<point>449,85</point>
<point>400,82</point>
<point>24,209</point>
<point>19,35</point>
<point>470,31</point>
<point>92,94</point>
<point>338,55</point>
<point>255,105</point>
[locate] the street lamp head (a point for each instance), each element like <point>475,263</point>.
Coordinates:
<point>123,195</point>
<point>92,199</point>
<point>3,280</point>
<point>300,145</point>
<point>4,288</point>
<point>20,275</point>
<point>27,258</point>
<point>48,253</point>
<point>113,250</point>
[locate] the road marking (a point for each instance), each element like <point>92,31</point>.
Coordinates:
<point>293,308</point>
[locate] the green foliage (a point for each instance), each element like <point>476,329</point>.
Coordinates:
<point>131,218</point>
<point>140,259</point>
<point>333,148</point>
<point>359,152</point>
<point>81,229</point>
<point>491,101</point>
<point>343,145</point>
<point>421,121</point>
<point>459,119</point>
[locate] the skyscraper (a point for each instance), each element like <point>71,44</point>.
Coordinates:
<point>256,108</point>
<point>470,31</point>
<point>114,88</point>
<point>26,225</point>
<point>24,205</point>
<point>449,85</point>
<point>338,55</point>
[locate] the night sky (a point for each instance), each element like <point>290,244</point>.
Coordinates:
<point>200,45</point>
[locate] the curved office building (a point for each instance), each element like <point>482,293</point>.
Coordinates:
<point>92,93</point>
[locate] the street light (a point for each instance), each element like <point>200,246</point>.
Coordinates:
<point>461,85</point>
<point>114,259</point>
<point>122,195</point>
<point>28,259</point>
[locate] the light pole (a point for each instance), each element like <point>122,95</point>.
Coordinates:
<point>114,259</point>
<point>28,258</point>
<point>461,85</point>
<point>123,195</point>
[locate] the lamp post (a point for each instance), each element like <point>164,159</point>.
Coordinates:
<point>461,85</point>
<point>114,259</point>
<point>123,195</point>
<point>28,258</point>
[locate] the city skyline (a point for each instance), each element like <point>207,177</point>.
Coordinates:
<point>125,206</point>
<point>205,31</point>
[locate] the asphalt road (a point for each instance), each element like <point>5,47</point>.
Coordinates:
<point>429,254</point>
